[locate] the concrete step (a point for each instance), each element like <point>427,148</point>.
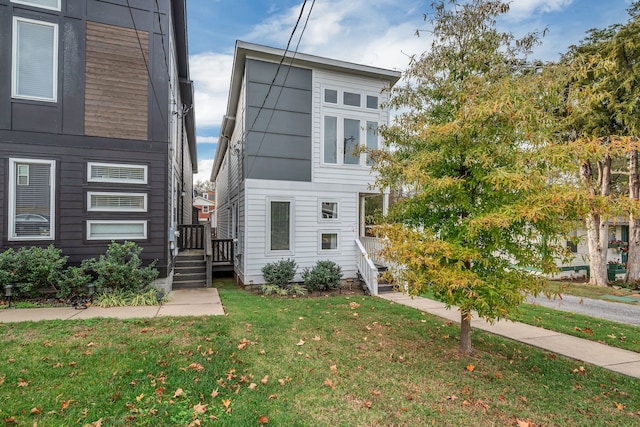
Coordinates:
<point>179,277</point>
<point>189,284</point>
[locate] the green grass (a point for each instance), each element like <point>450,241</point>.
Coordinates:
<point>585,290</point>
<point>328,361</point>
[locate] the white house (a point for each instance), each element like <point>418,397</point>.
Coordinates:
<point>290,182</point>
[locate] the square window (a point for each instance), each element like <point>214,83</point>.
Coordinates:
<point>205,209</point>
<point>31,199</point>
<point>329,210</point>
<point>352,99</point>
<point>35,60</point>
<point>372,102</point>
<point>331,96</point>
<point>329,241</point>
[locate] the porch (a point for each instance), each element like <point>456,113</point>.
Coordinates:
<point>217,255</point>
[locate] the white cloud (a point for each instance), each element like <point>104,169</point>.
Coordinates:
<point>204,170</point>
<point>207,139</point>
<point>524,9</point>
<point>211,74</point>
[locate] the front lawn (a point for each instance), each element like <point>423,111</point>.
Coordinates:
<point>327,361</point>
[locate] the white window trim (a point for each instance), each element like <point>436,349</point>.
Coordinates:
<point>12,199</point>
<point>205,209</point>
<point>116,237</point>
<point>320,218</point>
<point>28,3</point>
<point>324,251</point>
<point>118,165</point>
<point>14,60</point>
<point>108,193</point>
<point>292,209</point>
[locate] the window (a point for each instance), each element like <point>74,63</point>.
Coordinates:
<point>31,199</point>
<point>205,196</point>
<point>35,60</point>
<point>23,174</point>
<point>351,142</point>
<point>330,139</point>
<point>372,139</point>
<point>120,202</point>
<point>116,230</point>
<point>280,230</point>
<point>331,96</point>
<point>329,241</point>
<point>352,99</point>
<point>45,4</point>
<point>328,210</point>
<point>205,209</point>
<point>117,173</point>
<point>372,102</point>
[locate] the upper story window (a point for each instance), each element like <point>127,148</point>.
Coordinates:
<point>117,173</point>
<point>352,99</point>
<point>372,102</point>
<point>331,96</point>
<point>35,60</point>
<point>45,4</point>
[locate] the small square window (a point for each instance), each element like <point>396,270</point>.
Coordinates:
<point>331,96</point>
<point>205,209</point>
<point>372,102</point>
<point>352,99</point>
<point>329,241</point>
<point>329,210</point>
<point>23,174</point>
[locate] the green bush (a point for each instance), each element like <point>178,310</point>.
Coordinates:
<point>296,289</point>
<point>279,273</point>
<point>32,270</point>
<point>273,290</point>
<point>325,275</point>
<point>128,298</point>
<point>71,279</point>
<point>121,268</point>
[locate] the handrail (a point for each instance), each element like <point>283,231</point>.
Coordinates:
<point>367,269</point>
<point>208,253</point>
<point>373,246</point>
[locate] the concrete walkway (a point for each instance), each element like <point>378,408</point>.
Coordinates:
<point>183,302</point>
<point>612,358</point>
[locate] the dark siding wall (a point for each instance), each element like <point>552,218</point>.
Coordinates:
<point>72,153</point>
<point>56,130</point>
<point>279,144</point>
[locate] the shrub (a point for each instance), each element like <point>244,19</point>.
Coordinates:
<point>128,298</point>
<point>73,278</point>
<point>7,267</point>
<point>296,289</point>
<point>273,290</point>
<point>33,269</point>
<point>323,276</point>
<point>279,273</point>
<point>121,268</point>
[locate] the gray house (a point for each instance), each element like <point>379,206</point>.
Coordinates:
<point>97,135</point>
<point>290,179</point>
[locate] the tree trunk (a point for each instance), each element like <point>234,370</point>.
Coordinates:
<point>597,227</point>
<point>633,256</point>
<point>465,333</point>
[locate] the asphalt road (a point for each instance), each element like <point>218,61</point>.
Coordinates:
<point>615,311</point>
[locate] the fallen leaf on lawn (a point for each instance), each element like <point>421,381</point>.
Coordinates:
<point>10,420</point>
<point>470,368</point>
<point>281,381</point>
<point>334,369</point>
<point>23,383</point>
<point>140,397</point>
<point>252,386</point>
<point>273,396</point>
<point>588,331</point>
<point>200,408</point>
<point>580,370</point>
<point>196,367</point>
<point>243,344</point>
<point>65,404</point>
<point>96,424</point>
<point>329,383</point>
<point>265,380</point>
<point>524,423</point>
<point>226,403</point>
<point>612,336</point>
<point>619,406</point>
<point>316,338</point>
<point>376,393</point>
<point>36,411</point>
<point>453,397</point>
<point>499,375</point>
<point>523,398</point>
<point>179,392</point>
<point>300,318</point>
<point>354,305</point>
<point>367,404</point>
<point>301,342</point>
<point>214,393</point>
<point>2,378</point>
<point>262,419</point>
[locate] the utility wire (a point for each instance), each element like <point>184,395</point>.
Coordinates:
<point>284,81</point>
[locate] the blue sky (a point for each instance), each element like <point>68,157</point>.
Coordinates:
<point>380,33</point>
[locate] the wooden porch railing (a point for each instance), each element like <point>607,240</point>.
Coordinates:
<point>208,253</point>
<point>222,250</point>
<point>367,269</point>
<point>192,236</point>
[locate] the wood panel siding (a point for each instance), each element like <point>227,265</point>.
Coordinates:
<point>116,86</point>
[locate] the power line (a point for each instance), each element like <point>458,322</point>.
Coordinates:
<point>293,56</point>
<point>146,65</point>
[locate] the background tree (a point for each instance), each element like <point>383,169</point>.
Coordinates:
<point>601,117</point>
<point>467,144</point>
<point>204,186</point>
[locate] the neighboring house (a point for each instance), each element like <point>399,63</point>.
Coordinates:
<point>97,136</point>
<point>617,252</point>
<point>205,208</point>
<point>290,182</point>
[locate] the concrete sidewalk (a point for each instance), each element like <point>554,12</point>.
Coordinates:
<point>615,359</point>
<point>183,302</point>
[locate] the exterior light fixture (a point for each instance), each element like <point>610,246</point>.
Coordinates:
<point>8,292</point>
